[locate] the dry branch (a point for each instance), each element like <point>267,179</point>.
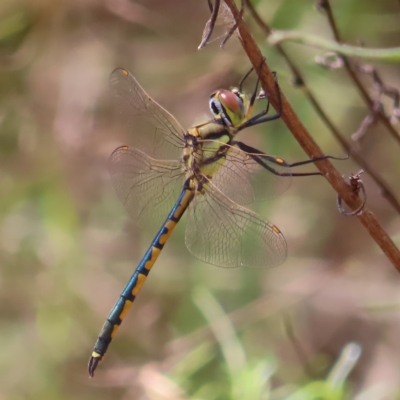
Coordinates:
<point>349,148</point>
<point>308,144</point>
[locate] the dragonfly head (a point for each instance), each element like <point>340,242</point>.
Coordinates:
<point>230,106</point>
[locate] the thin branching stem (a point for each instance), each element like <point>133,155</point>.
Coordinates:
<point>387,55</point>
<point>325,5</point>
<point>383,90</point>
<point>308,144</point>
<point>347,147</point>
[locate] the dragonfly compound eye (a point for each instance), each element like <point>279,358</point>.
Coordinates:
<point>228,106</point>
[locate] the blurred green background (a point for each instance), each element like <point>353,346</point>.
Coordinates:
<point>67,247</point>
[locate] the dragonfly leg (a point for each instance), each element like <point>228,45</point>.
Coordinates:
<point>260,157</point>
<point>260,117</point>
<point>254,94</point>
<point>244,78</point>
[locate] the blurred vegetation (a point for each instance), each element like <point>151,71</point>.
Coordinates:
<point>67,246</point>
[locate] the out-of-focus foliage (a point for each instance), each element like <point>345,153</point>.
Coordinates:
<point>67,246</point>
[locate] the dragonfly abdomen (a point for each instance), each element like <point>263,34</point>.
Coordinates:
<point>136,281</point>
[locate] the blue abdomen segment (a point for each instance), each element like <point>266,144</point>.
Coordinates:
<point>135,283</point>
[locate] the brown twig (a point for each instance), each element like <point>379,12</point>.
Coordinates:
<point>383,90</point>
<point>348,148</point>
<point>298,130</point>
<point>365,124</point>
<point>325,5</point>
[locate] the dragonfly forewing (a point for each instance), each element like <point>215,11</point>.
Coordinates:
<point>149,126</point>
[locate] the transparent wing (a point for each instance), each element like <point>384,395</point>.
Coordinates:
<point>244,180</point>
<point>153,129</point>
<point>225,234</point>
<point>148,188</point>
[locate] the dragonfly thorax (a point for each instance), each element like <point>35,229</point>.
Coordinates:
<point>229,106</point>
<point>205,148</point>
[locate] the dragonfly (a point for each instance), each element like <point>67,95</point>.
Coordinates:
<point>203,171</point>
